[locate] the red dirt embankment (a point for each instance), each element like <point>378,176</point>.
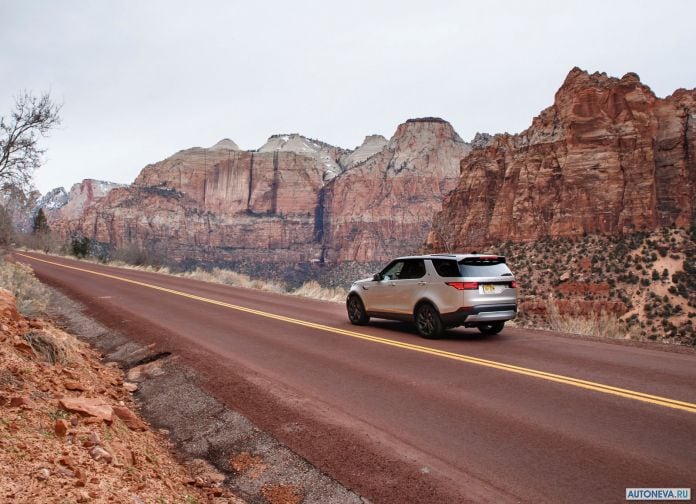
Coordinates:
<point>69,430</point>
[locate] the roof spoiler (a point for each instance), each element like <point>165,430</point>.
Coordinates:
<point>484,260</point>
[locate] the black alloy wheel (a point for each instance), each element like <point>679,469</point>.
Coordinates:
<point>356,311</point>
<point>428,322</point>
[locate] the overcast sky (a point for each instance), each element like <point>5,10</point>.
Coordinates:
<point>140,80</point>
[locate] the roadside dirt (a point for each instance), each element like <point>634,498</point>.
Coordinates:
<point>254,465</point>
<point>71,432</point>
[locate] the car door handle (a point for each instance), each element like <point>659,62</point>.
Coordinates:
<point>421,283</point>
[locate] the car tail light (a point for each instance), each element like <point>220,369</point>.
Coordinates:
<point>513,284</point>
<point>463,285</point>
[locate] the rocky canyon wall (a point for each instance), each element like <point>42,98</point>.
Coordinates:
<point>382,206</point>
<point>294,200</point>
<point>212,205</point>
<point>607,157</point>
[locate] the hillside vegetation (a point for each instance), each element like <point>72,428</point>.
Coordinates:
<point>639,286</point>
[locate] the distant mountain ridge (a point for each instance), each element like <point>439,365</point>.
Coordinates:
<point>278,203</point>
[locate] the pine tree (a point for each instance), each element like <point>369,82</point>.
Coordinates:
<point>40,223</point>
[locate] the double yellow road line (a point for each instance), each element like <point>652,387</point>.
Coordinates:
<point>566,380</point>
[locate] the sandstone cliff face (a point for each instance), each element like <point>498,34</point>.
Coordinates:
<point>607,157</point>
<point>295,200</point>
<point>172,225</point>
<point>82,195</point>
<point>58,205</point>
<point>215,204</point>
<point>231,182</point>
<point>384,206</point>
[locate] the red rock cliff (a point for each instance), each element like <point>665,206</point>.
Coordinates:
<point>295,200</point>
<point>607,157</point>
<point>384,206</point>
<point>215,204</point>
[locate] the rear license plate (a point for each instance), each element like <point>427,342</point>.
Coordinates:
<point>489,289</point>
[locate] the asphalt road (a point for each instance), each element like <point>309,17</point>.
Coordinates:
<point>524,416</point>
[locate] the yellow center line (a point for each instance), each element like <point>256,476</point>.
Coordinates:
<point>567,380</point>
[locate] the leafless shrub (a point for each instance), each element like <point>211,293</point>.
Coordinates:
<point>605,325</point>
<point>54,346</point>
<point>48,242</point>
<point>134,255</point>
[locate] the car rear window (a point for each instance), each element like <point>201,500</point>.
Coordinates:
<point>484,267</point>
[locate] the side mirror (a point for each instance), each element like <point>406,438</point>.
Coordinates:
<point>377,277</point>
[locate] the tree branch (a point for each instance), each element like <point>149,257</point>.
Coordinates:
<point>33,117</point>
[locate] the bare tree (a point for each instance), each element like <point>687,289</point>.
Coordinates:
<point>32,118</point>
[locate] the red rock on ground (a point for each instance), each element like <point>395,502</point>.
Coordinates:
<point>74,385</point>
<point>577,288</point>
<point>88,406</point>
<point>21,402</point>
<point>61,428</point>
<point>98,453</point>
<point>129,418</point>
<point>8,310</point>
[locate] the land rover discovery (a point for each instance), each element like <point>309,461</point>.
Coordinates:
<point>438,292</point>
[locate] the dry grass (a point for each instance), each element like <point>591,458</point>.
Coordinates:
<point>310,289</point>
<point>604,325</point>
<point>313,290</point>
<point>234,279</point>
<point>32,297</point>
<point>53,345</point>
<point>120,264</point>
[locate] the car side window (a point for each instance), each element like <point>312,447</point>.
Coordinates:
<point>446,267</point>
<point>414,268</point>
<point>393,271</point>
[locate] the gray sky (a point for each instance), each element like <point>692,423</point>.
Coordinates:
<point>140,80</point>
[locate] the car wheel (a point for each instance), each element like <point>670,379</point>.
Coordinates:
<point>356,311</point>
<point>428,321</point>
<point>491,328</point>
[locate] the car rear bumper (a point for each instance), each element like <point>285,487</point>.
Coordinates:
<point>480,313</point>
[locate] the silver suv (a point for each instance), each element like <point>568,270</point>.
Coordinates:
<point>437,292</point>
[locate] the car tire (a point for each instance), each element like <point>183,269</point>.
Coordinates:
<point>428,321</point>
<point>491,328</point>
<point>356,311</point>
